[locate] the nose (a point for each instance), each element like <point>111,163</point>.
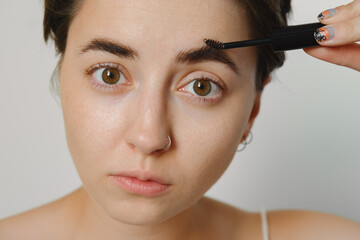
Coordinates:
<point>148,128</point>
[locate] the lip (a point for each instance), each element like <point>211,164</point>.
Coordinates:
<point>141,182</point>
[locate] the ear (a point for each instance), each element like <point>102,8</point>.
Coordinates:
<point>255,110</point>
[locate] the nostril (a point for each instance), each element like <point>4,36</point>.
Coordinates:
<point>132,146</point>
<point>148,144</point>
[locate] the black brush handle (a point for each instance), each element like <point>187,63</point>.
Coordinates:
<point>295,37</point>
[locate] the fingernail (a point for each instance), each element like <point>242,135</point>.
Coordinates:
<point>327,14</point>
<point>324,34</point>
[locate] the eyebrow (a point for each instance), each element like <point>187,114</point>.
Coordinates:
<point>195,55</point>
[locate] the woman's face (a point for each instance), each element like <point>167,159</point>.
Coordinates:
<point>205,101</point>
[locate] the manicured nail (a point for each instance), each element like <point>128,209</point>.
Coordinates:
<point>325,33</point>
<point>327,14</point>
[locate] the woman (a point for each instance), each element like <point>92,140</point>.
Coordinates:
<point>141,100</point>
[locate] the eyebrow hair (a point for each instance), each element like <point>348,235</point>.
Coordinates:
<point>109,46</point>
<point>195,55</point>
<point>207,53</point>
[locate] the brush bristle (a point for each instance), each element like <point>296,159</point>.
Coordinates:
<point>214,44</point>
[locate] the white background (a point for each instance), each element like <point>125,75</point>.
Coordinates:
<point>305,153</point>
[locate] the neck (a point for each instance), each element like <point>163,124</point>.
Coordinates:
<point>95,223</point>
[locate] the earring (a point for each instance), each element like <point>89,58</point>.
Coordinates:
<point>247,141</point>
<point>165,148</point>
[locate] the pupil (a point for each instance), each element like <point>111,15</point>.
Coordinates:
<point>111,76</point>
<point>202,87</point>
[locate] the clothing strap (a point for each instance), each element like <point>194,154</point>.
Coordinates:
<point>264,223</point>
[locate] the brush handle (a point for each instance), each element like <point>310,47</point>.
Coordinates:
<point>295,37</point>
<point>247,43</point>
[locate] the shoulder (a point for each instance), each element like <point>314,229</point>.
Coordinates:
<point>231,222</point>
<point>282,224</point>
<point>25,225</point>
<point>33,224</point>
<point>300,224</point>
<point>39,223</point>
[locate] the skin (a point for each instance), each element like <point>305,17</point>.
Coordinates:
<point>154,107</point>
<point>342,49</point>
<point>204,136</point>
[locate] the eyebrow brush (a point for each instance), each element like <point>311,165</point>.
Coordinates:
<point>282,39</point>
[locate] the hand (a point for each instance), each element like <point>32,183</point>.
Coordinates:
<point>340,36</point>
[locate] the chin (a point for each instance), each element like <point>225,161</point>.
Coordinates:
<point>140,214</point>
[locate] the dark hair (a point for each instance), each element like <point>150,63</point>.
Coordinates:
<point>58,15</point>
<point>263,15</point>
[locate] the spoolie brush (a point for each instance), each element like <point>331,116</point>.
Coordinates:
<point>282,39</point>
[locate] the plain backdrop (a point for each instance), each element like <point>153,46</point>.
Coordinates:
<point>305,153</point>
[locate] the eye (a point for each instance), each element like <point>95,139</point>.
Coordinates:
<point>108,75</point>
<point>204,90</point>
<point>202,87</point>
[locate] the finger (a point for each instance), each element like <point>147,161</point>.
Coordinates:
<point>347,55</point>
<point>339,33</point>
<point>341,13</point>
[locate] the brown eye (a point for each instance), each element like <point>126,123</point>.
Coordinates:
<point>204,90</point>
<point>110,76</point>
<point>202,87</point>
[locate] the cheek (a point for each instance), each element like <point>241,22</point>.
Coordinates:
<point>207,147</point>
<point>92,128</point>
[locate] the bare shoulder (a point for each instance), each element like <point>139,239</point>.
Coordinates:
<point>39,223</point>
<point>28,225</point>
<point>300,224</point>
<point>282,224</point>
<point>234,222</point>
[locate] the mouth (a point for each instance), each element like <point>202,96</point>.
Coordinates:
<point>141,182</point>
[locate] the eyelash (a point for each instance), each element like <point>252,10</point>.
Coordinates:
<point>104,87</point>
<point>110,88</point>
<point>205,100</point>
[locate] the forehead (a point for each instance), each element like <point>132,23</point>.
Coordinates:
<point>159,29</point>
<point>162,20</point>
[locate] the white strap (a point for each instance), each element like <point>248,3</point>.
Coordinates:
<point>264,224</point>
